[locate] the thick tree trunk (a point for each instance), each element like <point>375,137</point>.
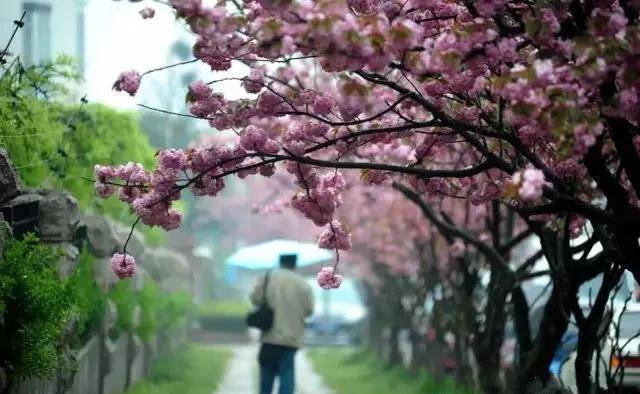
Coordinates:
<point>556,313</point>
<point>436,354</point>
<point>489,343</point>
<point>555,321</point>
<point>521,323</point>
<point>395,357</point>
<point>463,373</point>
<point>418,350</point>
<point>591,330</point>
<point>587,342</point>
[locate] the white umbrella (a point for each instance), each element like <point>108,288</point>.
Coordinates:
<point>267,255</point>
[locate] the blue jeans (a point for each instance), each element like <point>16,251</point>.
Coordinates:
<point>276,360</point>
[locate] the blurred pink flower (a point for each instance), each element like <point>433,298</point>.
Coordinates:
<point>123,265</point>
<point>328,280</point>
<point>147,13</point>
<point>128,81</point>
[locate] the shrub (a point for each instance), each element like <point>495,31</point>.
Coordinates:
<point>158,310</point>
<point>88,299</point>
<point>223,308</point>
<point>223,315</point>
<point>124,297</point>
<point>151,303</point>
<point>178,308</point>
<point>35,309</point>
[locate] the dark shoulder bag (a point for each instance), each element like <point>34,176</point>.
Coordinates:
<point>262,316</point>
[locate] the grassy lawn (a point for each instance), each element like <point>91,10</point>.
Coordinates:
<point>223,315</point>
<point>223,308</point>
<point>196,369</point>
<point>361,372</point>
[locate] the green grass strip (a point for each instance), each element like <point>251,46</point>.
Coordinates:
<point>195,369</point>
<point>362,372</point>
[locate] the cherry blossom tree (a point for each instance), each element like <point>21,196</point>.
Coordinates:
<point>519,108</point>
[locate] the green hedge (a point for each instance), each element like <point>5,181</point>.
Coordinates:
<point>124,297</point>
<point>158,310</point>
<point>35,306</point>
<point>223,308</point>
<point>71,138</point>
<point>89,299</point>
<point>223,315</point>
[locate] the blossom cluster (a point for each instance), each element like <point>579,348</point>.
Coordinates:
<point>147,13</point>
<point>320,195</point>
<point>123,265</point>
<point>335,237</point>
<point>128,81</point>
<point>530,183</point>
<point>478,102</point>
<point>328,279</point>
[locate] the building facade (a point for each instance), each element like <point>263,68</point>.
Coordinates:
<point>51,28</point>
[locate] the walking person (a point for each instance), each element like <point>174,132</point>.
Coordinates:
<point>291,299</point>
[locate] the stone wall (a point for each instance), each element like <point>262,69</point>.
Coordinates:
<point>102,366</point>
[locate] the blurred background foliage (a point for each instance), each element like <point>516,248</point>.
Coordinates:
<point>89,300</point>
<point>54,143</point>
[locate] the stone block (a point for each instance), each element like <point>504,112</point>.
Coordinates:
<point>99,235</point>
<point>58,216</point>
<point>10,185</point>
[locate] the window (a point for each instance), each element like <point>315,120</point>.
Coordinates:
<point>37,33</point>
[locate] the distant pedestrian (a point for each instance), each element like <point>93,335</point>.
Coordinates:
<point>291,299</point>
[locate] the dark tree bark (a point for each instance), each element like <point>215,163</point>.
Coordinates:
<point>487,345</point>
<point>591,330</point>
<point>521,322</point>
<point>395,357</point>
<point>555,318</point>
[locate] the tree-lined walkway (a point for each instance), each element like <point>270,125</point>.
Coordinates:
<point>241,376</point>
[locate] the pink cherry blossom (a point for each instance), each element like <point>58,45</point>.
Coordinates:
<point>128,81</point>
<point>335,237</point>
<point>187,8</point>
<point>104,190</point>
<point>202,101</point>
<point>328,280</point>
<point>255,81</point>
<point>530,182</point>
<point>354,105</point>
<point>323,103</point>
<point>174,159</point>
<point>147,13</point>
<point>458,248</point>
<point>124,266</point>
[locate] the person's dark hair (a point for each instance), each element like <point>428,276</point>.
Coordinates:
<point>288,260</point>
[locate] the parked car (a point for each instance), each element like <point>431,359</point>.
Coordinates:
<point>624,338</point>
<point>339,316</point>
<point>628,319</point>
<point>540,290</point>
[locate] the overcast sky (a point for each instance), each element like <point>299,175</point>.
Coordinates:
<point>118,39</point>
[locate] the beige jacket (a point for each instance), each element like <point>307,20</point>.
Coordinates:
<point>291,299</point>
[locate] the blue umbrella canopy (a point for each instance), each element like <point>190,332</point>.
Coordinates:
<point>267,254</point>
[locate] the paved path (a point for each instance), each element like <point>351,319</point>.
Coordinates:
<point>242,374</point>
